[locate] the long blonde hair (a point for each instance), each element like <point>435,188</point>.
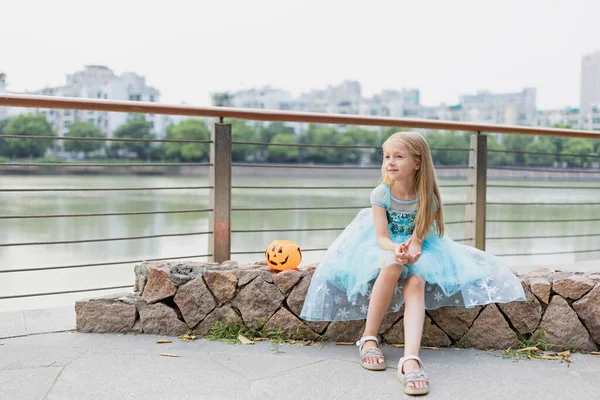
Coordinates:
<point>430,209</point>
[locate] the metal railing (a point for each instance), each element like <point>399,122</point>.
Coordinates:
<point>221,166</point>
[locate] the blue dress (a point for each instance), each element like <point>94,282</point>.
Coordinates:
<point>455,274</point>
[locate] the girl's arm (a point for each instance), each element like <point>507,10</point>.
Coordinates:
<point>382,232</point>
<point>415,246</point>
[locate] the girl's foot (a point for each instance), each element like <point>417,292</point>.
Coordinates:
<point>412,375</point>
<point>371,356</point>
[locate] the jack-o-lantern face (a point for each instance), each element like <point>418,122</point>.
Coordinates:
<point>283,254</point>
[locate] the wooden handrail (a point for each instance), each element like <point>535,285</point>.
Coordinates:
<point>75,103</point>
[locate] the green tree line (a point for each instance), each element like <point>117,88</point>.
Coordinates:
<point>571,152</point>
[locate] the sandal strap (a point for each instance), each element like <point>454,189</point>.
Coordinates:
<point>366,339</point>
<point>372,352</point>
<point>418,375</point>
<point>406,358</point>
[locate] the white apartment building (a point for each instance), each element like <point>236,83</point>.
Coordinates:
<point>99,82</point>
<point>503,108</point>
<point>590,82</point>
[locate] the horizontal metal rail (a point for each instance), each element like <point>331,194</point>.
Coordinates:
<point>104,240</point>
<point>548,253</point>
<point>597,203</point>
<point>102,214</point>
<point>543,237</point>
<point>20,296</point>
<point>326,187</point>
<point>93,139</point>
<point>287,230</point>
<point>81,165</point>
<point>571,171</point>
<point>307,250</point>
<point>322,208</point>
<point>544,220</point>
<point>335,167</point>
<point>544,153</point>
<point>118,189</point>
<point>17,100</point>
<point>8,271</point>
<point>263,252</point>
<point>543,187</point>
<point>285,166</point>
<point>335,146</point>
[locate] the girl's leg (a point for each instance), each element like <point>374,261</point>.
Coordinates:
<point>414,316</point>
<point>381,297</point>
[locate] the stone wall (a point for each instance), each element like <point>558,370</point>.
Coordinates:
<point>562,308</point>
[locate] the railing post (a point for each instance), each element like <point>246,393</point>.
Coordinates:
<point>220,199</point>
<point>476,193</point>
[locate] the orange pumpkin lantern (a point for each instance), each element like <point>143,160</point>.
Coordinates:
<point>283,254</point>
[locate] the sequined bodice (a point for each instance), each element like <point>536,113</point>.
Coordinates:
<point>400,223</point>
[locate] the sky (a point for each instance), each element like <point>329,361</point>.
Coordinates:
<point>190,49</point>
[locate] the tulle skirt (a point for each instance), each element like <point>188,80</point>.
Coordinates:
<point>454,274</point>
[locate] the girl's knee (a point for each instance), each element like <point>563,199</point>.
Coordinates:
<point>392,271</point>
<point>414,284</point>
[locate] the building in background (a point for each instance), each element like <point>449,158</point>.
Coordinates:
<point>98,82</point>
<point>347,98</point>
<point>503,108</point>
<point>590,84</point>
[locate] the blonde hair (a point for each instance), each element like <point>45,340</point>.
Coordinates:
<point>430,209</point>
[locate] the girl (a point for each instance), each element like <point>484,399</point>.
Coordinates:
<point>396,252</point>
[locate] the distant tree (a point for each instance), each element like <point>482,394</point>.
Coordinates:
<point>189,129</point>
<point>3,145</point>
<point>221,99</point>
<point>136,128</point>
<point>496,157</point>
<point>541,144</point>
<point>83,129</point>
<point>283,154</point>
<point>28,125</point>
<point>516,143</point>
<point>440,142</point>
<point>577,146</point>
<point>242,132</point>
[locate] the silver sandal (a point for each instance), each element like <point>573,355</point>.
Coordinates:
<point>372,352</point>
<point>418,375</point>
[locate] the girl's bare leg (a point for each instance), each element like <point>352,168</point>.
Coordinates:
<point>414,316</point>
<point>381,297</point>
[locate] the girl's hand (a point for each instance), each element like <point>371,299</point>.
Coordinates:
<point>412,252</point>
<point>400,249</point>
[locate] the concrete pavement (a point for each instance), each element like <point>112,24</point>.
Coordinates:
<point>94,366</point>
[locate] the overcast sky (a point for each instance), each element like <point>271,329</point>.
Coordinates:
<point>189,49</point>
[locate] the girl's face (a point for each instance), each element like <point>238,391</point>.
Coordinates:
<point>398,163</point>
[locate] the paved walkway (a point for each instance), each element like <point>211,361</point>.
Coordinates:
<point>94,366</point>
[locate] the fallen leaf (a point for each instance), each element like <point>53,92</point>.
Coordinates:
<point>260,339</point>
<point>564,353</point>
<point>345,343</point>
<point>430,347</point>
<point>187,337</point>
<point>549,358</point>
<point>528,349</point>
<point>399,345</point>
<point>169,355</point>
<point>308,343</point>
<point>244,339</point>
<point>161,341</point>
<point>597,353</point>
